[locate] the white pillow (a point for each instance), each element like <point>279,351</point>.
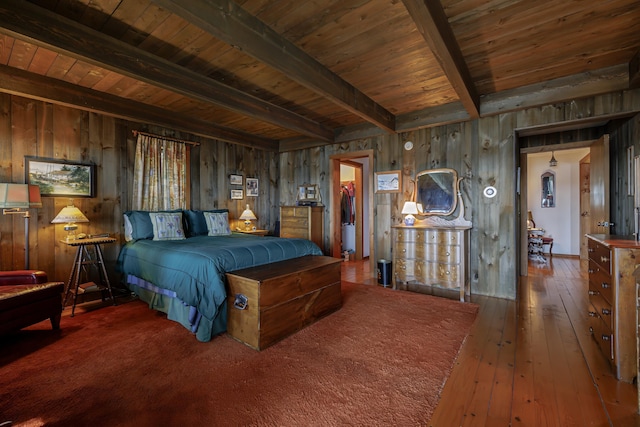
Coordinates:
<point>128,229</point>
<point>167,226</point>
<point>217,223</point>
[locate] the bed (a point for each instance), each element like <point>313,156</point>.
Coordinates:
<point>176,262</point>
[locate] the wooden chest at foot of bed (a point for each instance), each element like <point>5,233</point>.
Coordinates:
<point>270,302</point>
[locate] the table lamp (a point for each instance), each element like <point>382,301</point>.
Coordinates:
<point>248,216</point>
<point>16,197</point>
<point>410,209</point>
<point>70,215</point>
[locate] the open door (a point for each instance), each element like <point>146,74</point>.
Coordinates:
<point>599,188</point>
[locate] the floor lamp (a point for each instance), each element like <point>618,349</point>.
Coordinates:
<point>16,197</point>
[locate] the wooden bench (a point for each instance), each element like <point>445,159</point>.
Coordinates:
<point>270,302</point>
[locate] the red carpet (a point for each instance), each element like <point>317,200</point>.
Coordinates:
<point>380,360</point>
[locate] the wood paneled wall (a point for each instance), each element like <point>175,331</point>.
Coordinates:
<point>34,128</point>
<point>482,151</point>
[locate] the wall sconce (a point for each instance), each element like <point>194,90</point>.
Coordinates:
<point>410,209</point>
<point>553,162</point>
<point>248,216</point>
<point>16,197</point>
<point>70,216</point>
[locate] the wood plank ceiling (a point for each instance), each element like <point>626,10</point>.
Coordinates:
<point>286,74</point>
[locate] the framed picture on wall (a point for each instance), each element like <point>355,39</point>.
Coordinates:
<point>237,195</point>
<point>61,178</point>
<point>235,179</point>
<point>252,187</point>
<point>388,182</point>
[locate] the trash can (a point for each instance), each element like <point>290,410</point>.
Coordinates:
<point>384,272</point>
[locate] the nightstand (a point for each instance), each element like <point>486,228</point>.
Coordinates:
<point>254,232</point>
<point>82,259</point>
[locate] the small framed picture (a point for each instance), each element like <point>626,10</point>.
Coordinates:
<point>388,182</point>
<point>252,187</point>
<point>235,179</point>
<point>237,195</point>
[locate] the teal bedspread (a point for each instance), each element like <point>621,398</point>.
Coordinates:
<point>195,268</point>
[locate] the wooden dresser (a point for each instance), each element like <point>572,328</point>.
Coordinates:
<point>429,259</point>
<point>305,222</point>
<point>612,300</point>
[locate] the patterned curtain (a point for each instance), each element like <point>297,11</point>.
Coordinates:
<point>159,179</point>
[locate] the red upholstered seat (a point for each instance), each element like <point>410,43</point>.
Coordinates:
<point>27,298</point>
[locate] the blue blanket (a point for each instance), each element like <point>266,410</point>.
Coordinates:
<point>195,268</point>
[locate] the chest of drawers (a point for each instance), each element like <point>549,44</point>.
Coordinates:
<point>305,222</point>
<point>426,259</point>
<point>612,288</point>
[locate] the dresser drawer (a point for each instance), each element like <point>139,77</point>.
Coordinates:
<point>433,273</point>
<point>601,333</point>
<point>295,222</point>
<point>409,235</point>
<point>600,282</point>
<point>294,211</point>
<point>446,237</point>
<point>406,250</point>
<point>405,269</point>
<point>441,253</point>
<point>600,254</point>
<point>603,309</point>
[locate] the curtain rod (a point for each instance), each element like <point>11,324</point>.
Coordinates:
<point>136,132</point>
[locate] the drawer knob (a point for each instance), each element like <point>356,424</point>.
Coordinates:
<point>591,329</point>
<point>604,259</point>
<point>604,285</point>
<point>593,314</point>
<point>606,311</point>
<point>605,337</point>
<point>590,271</point>
<point>590,250</point>
<point>593,292</point>
<point>447,254</point>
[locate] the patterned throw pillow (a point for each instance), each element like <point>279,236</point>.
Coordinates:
<point>167,226</point>
<point>217,223</point>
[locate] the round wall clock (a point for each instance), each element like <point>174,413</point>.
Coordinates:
<point>408,145</point>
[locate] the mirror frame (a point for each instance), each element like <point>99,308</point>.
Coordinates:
<point>545,201</point>
<point>456,190</point>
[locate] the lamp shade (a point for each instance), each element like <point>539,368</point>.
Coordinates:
<point>248,214</point>
<point>14,196</point>
<point>69,214</point>
<point>410,208</point>
<point>34,196</point>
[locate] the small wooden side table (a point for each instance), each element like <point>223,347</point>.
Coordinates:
<point>84,258</point>
<point>254,232</point>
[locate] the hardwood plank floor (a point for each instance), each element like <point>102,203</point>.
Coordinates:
<point>531,362</point>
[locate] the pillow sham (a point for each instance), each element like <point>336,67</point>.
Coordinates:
<point>217,223</point>
<point>141,227</point>
<point>128,228</point>
<point>167,226</point>
<point>194,222</point>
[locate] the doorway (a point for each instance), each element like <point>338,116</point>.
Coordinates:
<point>364,235</point>
<point>569,219</point>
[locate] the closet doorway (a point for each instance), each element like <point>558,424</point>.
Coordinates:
<point>362,180</point>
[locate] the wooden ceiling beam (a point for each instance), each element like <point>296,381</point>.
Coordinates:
<point>34,86</point>
<point>228,22</point>
<point>590,83</point>
<point>433,24</point>
<point>31,23</point>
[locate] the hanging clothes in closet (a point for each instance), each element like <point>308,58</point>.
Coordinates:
<point>347,203</point>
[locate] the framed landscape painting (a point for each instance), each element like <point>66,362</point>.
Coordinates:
<point>60,178</point>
